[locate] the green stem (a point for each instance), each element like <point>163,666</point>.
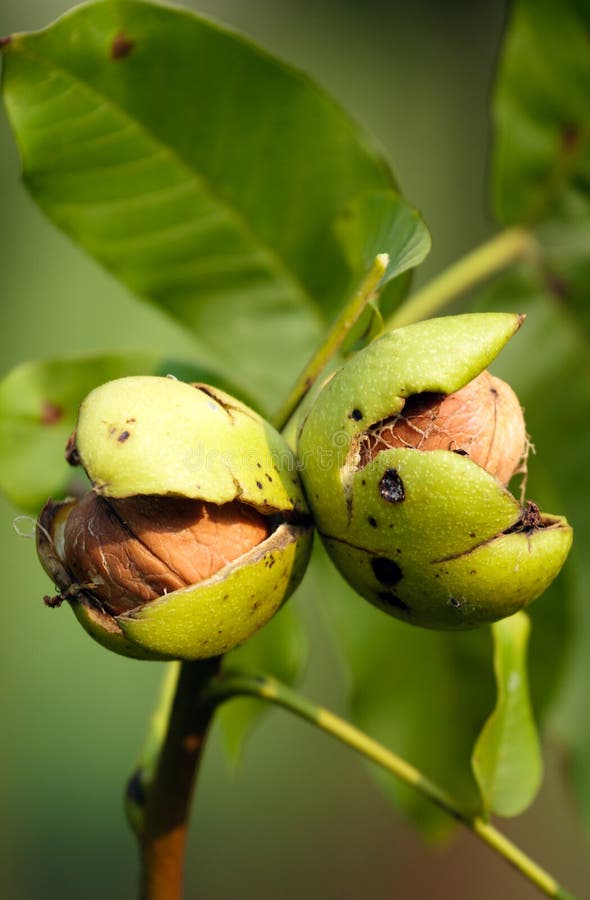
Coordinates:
<point>334,339</point>
<point>239,684</point>
<point>501,251</point>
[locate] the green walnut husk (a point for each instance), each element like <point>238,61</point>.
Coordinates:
<point>429,537</point>
<point>159,437</point>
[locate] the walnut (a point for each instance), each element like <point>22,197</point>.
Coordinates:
<point>483,421</point>
<point>137,549</point>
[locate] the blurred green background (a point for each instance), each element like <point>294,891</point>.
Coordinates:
<point>301,815</point>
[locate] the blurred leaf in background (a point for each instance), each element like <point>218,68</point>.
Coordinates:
<point>542,180</point>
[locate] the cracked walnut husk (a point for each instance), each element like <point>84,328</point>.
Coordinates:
<point>406,455</point>
<point>195,531</point>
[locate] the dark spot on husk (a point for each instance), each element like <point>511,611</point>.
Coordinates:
<point>454,602</point>
<point>386,571</point>
<point>269,477</point>
<point>259,485</point>
<point>72,455</point>
<point>121,46</point>
<point>259,465</point>
<point>356,414</point>
<point>123,436</point>
<point>372,521</point>
<point>391,487</point>
<point>130,421</point>
<point>50,413</point>
<point>391,599</point>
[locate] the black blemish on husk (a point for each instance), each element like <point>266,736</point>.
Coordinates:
<point>386,571</point>
<point>392,600</point>
<point>391,487</point>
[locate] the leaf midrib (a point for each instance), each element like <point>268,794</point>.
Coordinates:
<point>275,262</point>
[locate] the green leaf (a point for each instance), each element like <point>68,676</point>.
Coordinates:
<point>507,757</point>
<point>542,113</point>
<point>565,272</point>
<point>38,410</point>
<point>375,222</point>
<point>379,221</point>
<point>279,649</point>
<point>206,175</point>
<point>422,693</point>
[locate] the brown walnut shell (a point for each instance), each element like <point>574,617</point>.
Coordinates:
<point>135,550</point>
<point>483,420</point>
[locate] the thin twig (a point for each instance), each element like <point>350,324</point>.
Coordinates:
<point>333,340</point>
<point>488,259</point>
<point>264,688</point>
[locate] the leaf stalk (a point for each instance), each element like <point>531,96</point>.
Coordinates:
<point>504,249</point>
<point>238,684</point>
<point>333,340</point>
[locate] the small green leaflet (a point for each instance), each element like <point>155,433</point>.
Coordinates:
<point>506,758</point>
